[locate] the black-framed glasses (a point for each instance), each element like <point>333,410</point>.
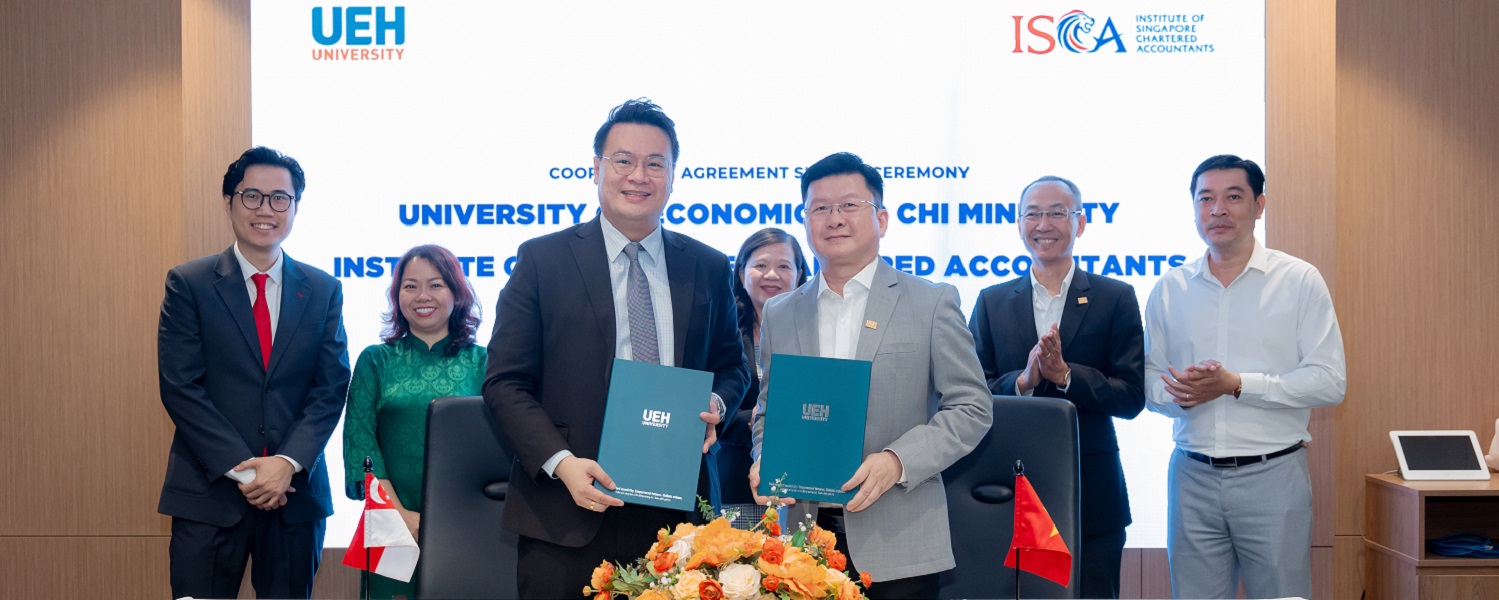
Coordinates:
<point>1050,215</point>
<point>252,198</point>
<point>625,163</point>
<point>856,207</point>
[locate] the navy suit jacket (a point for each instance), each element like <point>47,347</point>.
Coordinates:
<point>227,407</point>
<point>1103,343</point>
<point>553,346</point>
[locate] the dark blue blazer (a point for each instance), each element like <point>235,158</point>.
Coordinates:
<point>553,346</point>
<point>227,407</point>
<point>1103,342</point>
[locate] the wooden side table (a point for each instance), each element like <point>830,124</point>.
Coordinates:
<point>1401,516</point>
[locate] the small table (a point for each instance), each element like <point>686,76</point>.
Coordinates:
<point>1401,516</point>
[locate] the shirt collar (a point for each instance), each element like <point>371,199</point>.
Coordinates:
<point>1037,288</point>
<point>865,278</point>
<point>1259,260</point>
<point>615,242</point>
<point>247,269</point>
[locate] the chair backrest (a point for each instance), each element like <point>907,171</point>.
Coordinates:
<point>465,553</point>
<point>1042,433</point>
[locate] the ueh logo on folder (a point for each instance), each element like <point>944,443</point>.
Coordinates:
<point>655,418</point>
<point>815,412</point>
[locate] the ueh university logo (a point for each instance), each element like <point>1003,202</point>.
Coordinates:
<point>359,32</point>
<point>815,412</point>
<point>655,418</point>
<point>1074,31</point>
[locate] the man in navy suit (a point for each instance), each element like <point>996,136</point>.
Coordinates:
<point>1067,334</point>
<point>254,369</point>
<point>619,286</point>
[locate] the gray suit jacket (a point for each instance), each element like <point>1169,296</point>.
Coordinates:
<point>927,402</point>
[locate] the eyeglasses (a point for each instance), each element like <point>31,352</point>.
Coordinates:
<point>1050,215</point>
<point>252,198</point>
<point>625,163</point>
<point>856,207</point>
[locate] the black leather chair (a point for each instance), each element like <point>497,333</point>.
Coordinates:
<point>465,553</point>
<point>1042,433</point>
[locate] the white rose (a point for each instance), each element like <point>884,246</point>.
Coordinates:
<point>683,549</point>
<point>686,586</point>
<point>740,581</point>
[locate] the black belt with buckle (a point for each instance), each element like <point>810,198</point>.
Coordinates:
<point>1229,462</point>
<point>831,519</point>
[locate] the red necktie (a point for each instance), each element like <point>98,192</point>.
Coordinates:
<point>262,319</point>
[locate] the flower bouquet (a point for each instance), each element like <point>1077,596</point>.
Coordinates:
<point>717,561</point>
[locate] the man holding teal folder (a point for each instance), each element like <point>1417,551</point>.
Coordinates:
<point>619,286</point>
<point>928,403</point>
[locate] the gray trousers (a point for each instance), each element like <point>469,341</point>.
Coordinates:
<point>1254,521</point>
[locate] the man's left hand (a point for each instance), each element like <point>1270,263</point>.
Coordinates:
<point>875,476</point>
<point>1053,367</point>
<point>712,419</point>
<point>1202,382</point>
<point>272,481</point>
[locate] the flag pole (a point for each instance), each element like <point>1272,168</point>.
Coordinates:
<point>364,574</point>
<point>1019,552</point>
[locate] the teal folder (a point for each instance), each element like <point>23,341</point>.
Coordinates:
<point>814,426</point>
<point>652,443</point>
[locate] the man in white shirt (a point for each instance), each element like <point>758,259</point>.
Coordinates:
<point>928,405</point>
<point>1241,345</point>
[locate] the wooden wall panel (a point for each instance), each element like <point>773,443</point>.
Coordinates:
<point>215,116</point>
<point>84,567</point>
<point>88,226</point>
<point>1417,137</point>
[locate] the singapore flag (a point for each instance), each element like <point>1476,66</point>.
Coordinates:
<point>392,551</point>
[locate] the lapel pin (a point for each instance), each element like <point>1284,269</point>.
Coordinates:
<point>871,325</point>
<point>1082,300</point>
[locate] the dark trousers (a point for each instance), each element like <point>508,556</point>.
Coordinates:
<point>920,587</point>
<point>1098,571</point>
<point>547,570</point>
<point>209,561</point>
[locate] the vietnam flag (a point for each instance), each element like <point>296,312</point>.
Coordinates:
<point>392,551</point>
<point>1037,545</point>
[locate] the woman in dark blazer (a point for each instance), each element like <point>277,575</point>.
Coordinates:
<point>769,263</point>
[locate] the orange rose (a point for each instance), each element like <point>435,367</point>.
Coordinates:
<point>719,543</point>
<point>710,590</point>
<point>602,575</point>
<point>772,551</point>
<point>837,561</point>
<point>800,572</point>
<point>652,595</point>
<point>848,591</point>
<point>664,562</point>
<point>865,579</point>
<point>771,583</point>
<point>602,595</point>
<point>822,538</point>
<point>774,528</point>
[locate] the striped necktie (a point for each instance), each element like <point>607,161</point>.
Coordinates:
<point>643,344</point>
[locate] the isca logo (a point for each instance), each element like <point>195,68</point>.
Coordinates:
<point>359,32</point>
<point>1074,31</point>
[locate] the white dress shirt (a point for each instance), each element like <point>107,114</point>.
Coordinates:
<point>273,306</point>
<point>1047,309</point>
<point>841,318</point>
<point>272,285</point>
<point>1274,325</point>
<point>653,262</point>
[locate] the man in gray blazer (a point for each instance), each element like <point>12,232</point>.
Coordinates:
<point>928,403</point>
